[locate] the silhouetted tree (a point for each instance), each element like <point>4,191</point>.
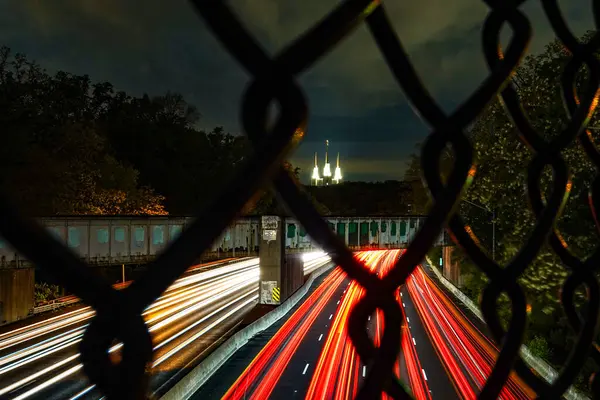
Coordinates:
<point>500,182</point>
<point>54,160</point>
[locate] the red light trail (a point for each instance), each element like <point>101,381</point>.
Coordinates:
<point>467,354</point>
<point>452,345</point>
<point>269,364</point>
<point>338,370</point>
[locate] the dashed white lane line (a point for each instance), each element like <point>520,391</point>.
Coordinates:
<point>320,337</point>
<point>369,317</point>
<point>338,302</point>
<point>403,305</point>
<point>414,341</point>
<point>330,316</point>
<point>400,294</point>
<point>364,371</point>
<point>424,375</point>
<point>408,320</point>
<point>306,367</point>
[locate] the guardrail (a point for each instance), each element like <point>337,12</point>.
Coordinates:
<point>55,304</point>
<point>190,383</point>
<point>67,301</point>
<point>540,366</point>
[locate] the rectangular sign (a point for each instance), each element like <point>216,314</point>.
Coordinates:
<point>266,292</point>
<point>269,234</point>
<point>270,222</point>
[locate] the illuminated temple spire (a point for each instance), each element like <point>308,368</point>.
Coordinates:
<point>315,175</point>
<point>337,176</point>
<point>327,167</point>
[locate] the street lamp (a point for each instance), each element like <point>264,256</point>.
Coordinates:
<point>493,212</point>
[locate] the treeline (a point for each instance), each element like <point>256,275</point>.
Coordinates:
<point>71,146</point>
<point>503,163</point>
<point>365,198</point>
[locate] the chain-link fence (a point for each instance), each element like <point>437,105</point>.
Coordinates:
<point>118,314</point>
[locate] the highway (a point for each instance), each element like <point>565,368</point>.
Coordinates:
<point>466,353</point>
<point>310,355</point>
<point>40,360</point>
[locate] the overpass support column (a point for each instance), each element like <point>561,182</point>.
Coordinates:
<point>450,268</point>
<point>292,274</point>
<point>271,254</point>
<point>16,293</point>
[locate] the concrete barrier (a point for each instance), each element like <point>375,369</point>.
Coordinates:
<point>190,383</point>
<point>540,366</point>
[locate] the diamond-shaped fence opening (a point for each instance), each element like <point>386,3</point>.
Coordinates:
<point>274,79</point>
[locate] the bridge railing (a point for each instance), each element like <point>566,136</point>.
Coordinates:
<point>274,79</point>
<point>111,240</point>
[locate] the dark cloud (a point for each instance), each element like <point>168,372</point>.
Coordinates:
<point>140,47</point>
<point>155,46</point>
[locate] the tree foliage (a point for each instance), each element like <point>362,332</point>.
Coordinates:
<point>44,292</point>
<point>502,168</point>
<point>72,146</point>
<point>364,198</point>
<point>55,158</point>
<point>266,201</point>
<point>418,197</point>
<point>500,184</point>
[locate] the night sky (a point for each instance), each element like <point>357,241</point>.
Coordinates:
<point>153,46</point>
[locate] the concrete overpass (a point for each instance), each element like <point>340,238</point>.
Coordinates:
<point>115,240</point>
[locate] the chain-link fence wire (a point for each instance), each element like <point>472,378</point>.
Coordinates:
<point>118,313</point>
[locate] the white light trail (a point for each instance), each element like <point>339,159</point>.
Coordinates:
<point>187,295</point>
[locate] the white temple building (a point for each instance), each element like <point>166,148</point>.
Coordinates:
<point>326,178</point>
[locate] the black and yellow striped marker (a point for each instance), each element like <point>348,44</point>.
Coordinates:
<point>276,294</point>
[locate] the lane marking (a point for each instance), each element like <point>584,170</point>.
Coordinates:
<point>408,320</point>
<point>306,367</point>
<point>369,317</point>
<point>320,337</point>
<point>338,302</point>
<point>330,315</point>
<point>400,294</point>
<point>424,375</point>
<point>414,342</point>
<point>364,371</point>
<point>403,305</point>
